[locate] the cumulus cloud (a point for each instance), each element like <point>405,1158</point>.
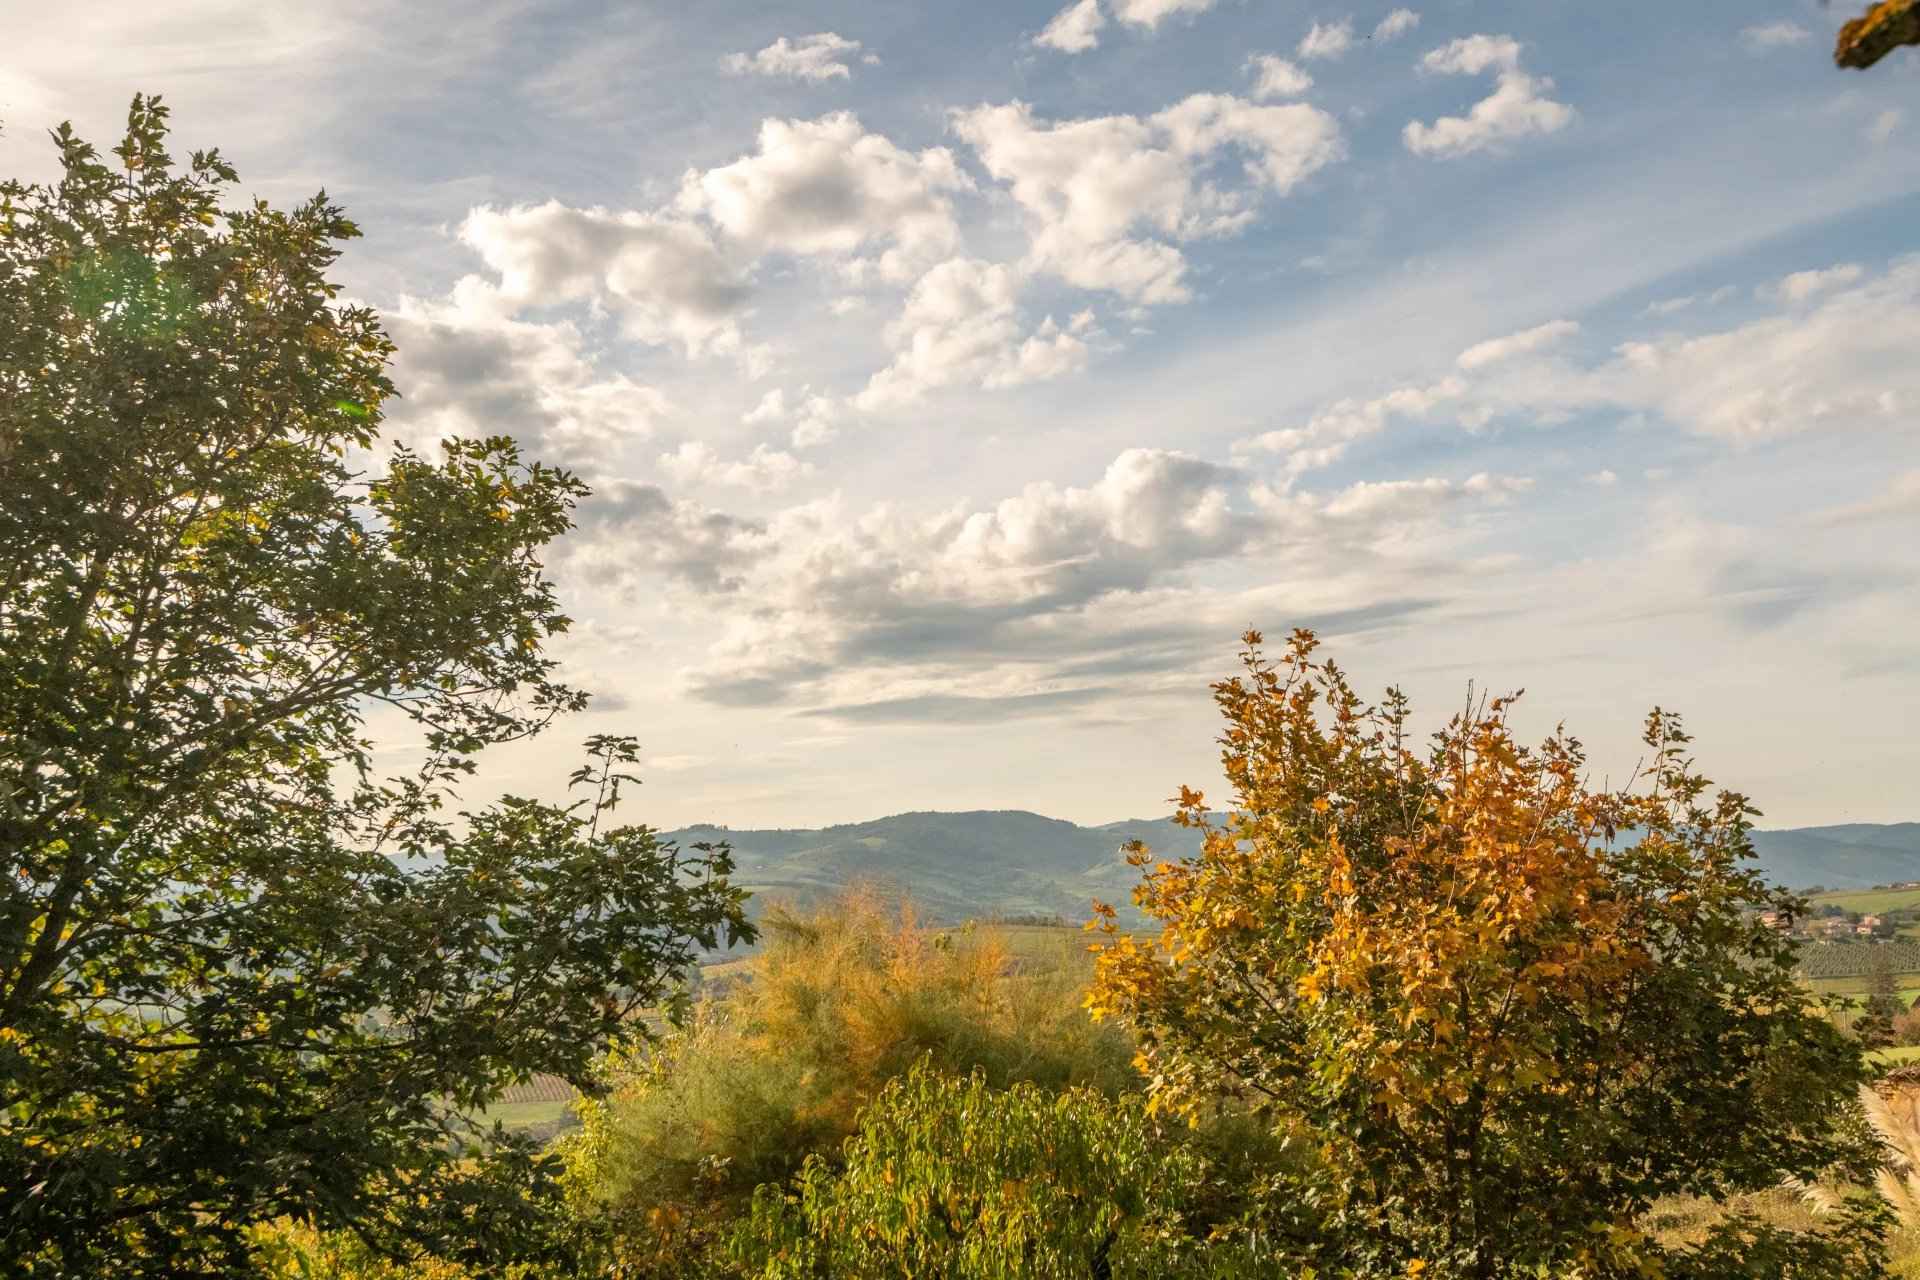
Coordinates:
<point>1472,55</point>
<point>1518,107</point>
<point>1089,186</point>
<point>819,57</point>
<point>665,276</point>
<point>1075,29</point>
<point>1396,24</point>
<point>1151,13</point>
<point>694,465</point>
<point>464,368</point>
<point>810,415</point>
<point>853,607</point>
<point>772,408</point>
<point>1773,35</point>
<point>961,324</point>
<point>628,532</point>
<point>1275,77</point>
<point>1885,125</point>
<point>1494,350</point>
<point>827,186</point>
<point>1802,285</point>
<point>1327,40</point>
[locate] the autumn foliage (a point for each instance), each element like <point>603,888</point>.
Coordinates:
<point>1511,1009</point>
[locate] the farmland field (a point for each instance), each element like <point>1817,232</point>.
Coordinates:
<point>1868,901</point>
<point>542,1116</point>
<point>1908,988</point>
<point>1820,960</point>
<point>1897,1055</point>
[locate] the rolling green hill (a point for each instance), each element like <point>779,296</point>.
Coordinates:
<point>1011,862</point>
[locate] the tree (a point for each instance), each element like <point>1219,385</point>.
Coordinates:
<point>1513,1011</point>
<point>1875,1026</point>
<point>1887,26</point>
<point>241,974</point>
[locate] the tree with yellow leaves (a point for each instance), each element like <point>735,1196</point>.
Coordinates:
<point>1510,1010</point>
<point>1888,25</point>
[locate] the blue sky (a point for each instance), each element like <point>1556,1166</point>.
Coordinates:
<point>957,382</point>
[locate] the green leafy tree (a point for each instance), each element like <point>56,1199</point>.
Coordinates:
<point>1513,1011</point>
<point>951,1177</point>
<point>1875,1027</point>
<point>241,974</point>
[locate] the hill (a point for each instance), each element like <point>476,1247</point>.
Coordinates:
<point>1012,862</point>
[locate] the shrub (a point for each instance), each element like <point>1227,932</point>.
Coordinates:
<point>953,1178</point>
<point>840,1001</point>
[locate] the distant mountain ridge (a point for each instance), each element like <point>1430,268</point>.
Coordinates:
<point>1012,862</point>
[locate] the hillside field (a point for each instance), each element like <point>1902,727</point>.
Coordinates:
<point>1870,901</point>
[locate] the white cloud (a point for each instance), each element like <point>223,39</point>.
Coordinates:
<point>1833,359</point>
<point>1275,77</point>
<point>1802,285</point>
<point>818,57</point>
<point>1075,29</point>
<point>1496,349</point>
<point>1327,40</point>
<point>1836,360</point>
<point>1518,106</point>
<point>1088,186</point>
<point>1324,439</point>
<point>464,368</point>
<point>1375,499</point>
<point>1885,125</point>
<point>1603,479</point>
<point>1844,363</point>
<point>827,186</point>
<point>815,426</point>
<point>1472,55</point>
<point>772,408</point>
<point>1396,24</point>
<point>812,415</point>
<point>1773,35</point>
<point>627,531</point>
<point>665,275</point>
<point>961,324</point>
<point>1901,498</point>
<point>695,465</point>
<point>1151,13</point>
<point>858,606</point>
<point>1668,306</point>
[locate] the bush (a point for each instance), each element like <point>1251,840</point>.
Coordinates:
<point>839,1002</point>
<point>953,1178</point>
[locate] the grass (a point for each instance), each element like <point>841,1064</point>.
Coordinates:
<point>547,1115</point>
<point>1907,987</point>
<point>1871,901</point>
<point>1895,1055</point>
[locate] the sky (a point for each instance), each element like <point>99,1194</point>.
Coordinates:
<point>957,382</point>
